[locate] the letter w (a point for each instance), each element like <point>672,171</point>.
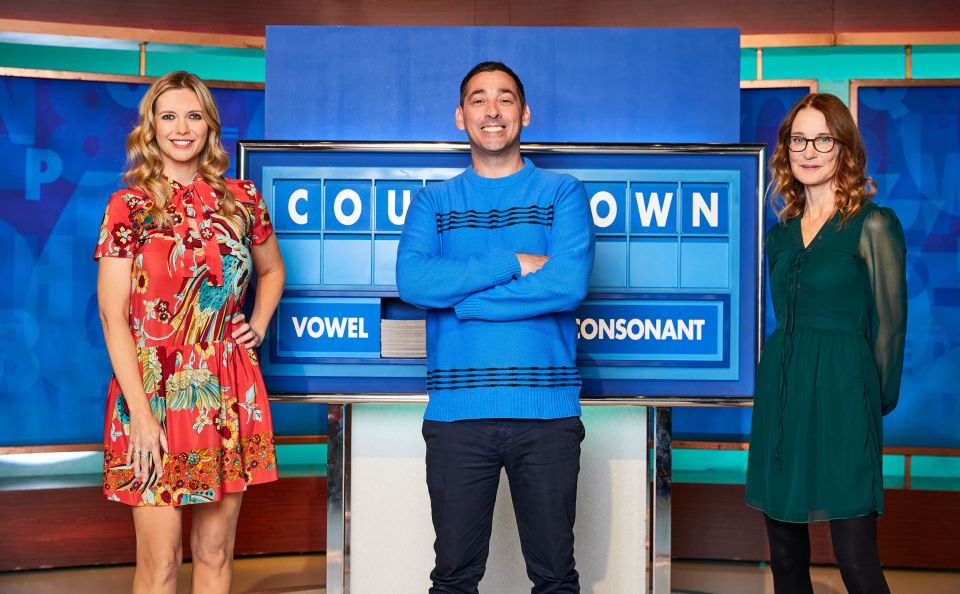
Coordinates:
<point>654,209</point>
<point>335,326</point>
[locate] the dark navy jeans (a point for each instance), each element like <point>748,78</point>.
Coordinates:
<point>542,462</point>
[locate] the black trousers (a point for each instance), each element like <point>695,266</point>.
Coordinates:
<point>542,461</point>
<point>854,542</point>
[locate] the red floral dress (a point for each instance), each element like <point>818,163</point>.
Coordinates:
<point>188,280</point>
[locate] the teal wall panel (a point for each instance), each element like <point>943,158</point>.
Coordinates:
<point>834,63</point>
<point>79,59</point>
<point>936,61</point>
<point>748,63</point>
<point>209,63</point>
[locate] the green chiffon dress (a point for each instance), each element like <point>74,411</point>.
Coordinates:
<point>831,368</point>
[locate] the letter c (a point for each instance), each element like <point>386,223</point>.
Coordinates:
<point>300,218</point>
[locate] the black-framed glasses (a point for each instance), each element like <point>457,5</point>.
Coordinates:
<point>821,144</point>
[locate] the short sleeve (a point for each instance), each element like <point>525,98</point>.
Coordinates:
<point>883,249</point>
<point>262,228</point>
<point>117,238</point>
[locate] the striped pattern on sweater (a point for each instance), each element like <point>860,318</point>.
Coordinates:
<point>502,377</point>
<point>495,219</point>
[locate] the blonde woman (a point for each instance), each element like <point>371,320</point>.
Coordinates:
<point>187,418</point>
<point>832,367</point>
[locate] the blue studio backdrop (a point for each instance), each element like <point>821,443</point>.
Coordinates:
<point>582,85</point>
<point>63,151</point>
<point>585,86</point>
<point>62,146</point>
<point>912,137</point>
<point>761,111</point>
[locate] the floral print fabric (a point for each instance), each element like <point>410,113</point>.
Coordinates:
<point>187,282</point>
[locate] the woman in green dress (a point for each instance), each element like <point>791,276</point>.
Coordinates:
<point>832,367</point>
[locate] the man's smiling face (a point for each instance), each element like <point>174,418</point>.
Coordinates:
<point>492,114</point>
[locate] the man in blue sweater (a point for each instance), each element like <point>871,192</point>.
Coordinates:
<point>500,256</point>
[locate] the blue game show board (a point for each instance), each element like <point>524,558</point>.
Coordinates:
<point>672,303</point>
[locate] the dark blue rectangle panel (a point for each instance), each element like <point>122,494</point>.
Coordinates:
<point>913,148</point>
<point>582,84</point>
<point>63,151</point>
<point>761,112</point>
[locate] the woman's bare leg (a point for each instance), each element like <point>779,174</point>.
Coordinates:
<point>212,536</point>
<point>159,549</point>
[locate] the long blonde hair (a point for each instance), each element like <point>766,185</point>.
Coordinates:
<point>145,162</point>
<point>787,195</point>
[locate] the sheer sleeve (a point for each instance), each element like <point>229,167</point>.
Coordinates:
<point>883,249</point>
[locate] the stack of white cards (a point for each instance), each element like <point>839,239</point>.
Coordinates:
<point>403,339</point>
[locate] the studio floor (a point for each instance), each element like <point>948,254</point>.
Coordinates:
<point>305,574</point>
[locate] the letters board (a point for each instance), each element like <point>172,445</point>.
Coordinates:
<point>672,308</point>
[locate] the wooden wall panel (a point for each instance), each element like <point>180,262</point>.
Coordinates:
<point>919,528</point>
<point>76,527</point>
<point>61,528</point>
<point>752,17</point>
<point>897,15</point>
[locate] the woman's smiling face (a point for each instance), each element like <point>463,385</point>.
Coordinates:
<point>810,166</point>
<point>181,129</point>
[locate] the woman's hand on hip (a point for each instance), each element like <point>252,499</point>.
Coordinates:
<point>244,334</point>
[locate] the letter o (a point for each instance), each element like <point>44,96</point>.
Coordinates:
<point>315,327</point>
<point>352,196</point>
<point>604,196</point>
<point>584,333</point>
<point>635,334</point>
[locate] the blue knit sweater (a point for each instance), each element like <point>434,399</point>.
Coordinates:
<point>499,345</point>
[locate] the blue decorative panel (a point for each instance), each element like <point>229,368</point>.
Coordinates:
<point>761,111</point>
<point>328,327</point>
<point>393,199</point>
<point>63,151</point>
<point>347,205</point>
<point>582,84</point>
<point>912,137</point>
<point>610,263</point>
<point>608,202</point>
<point>302,202</point>
<point>704,209</point>
<point>644,253</point>
<point>346,260</point>
<point>653,210</point>
<point>704,263</point>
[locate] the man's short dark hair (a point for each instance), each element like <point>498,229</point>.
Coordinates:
<point>491,67</point>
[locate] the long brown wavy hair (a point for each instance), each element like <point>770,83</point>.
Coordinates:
<point>145,162</point>
<point>787,195</point>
